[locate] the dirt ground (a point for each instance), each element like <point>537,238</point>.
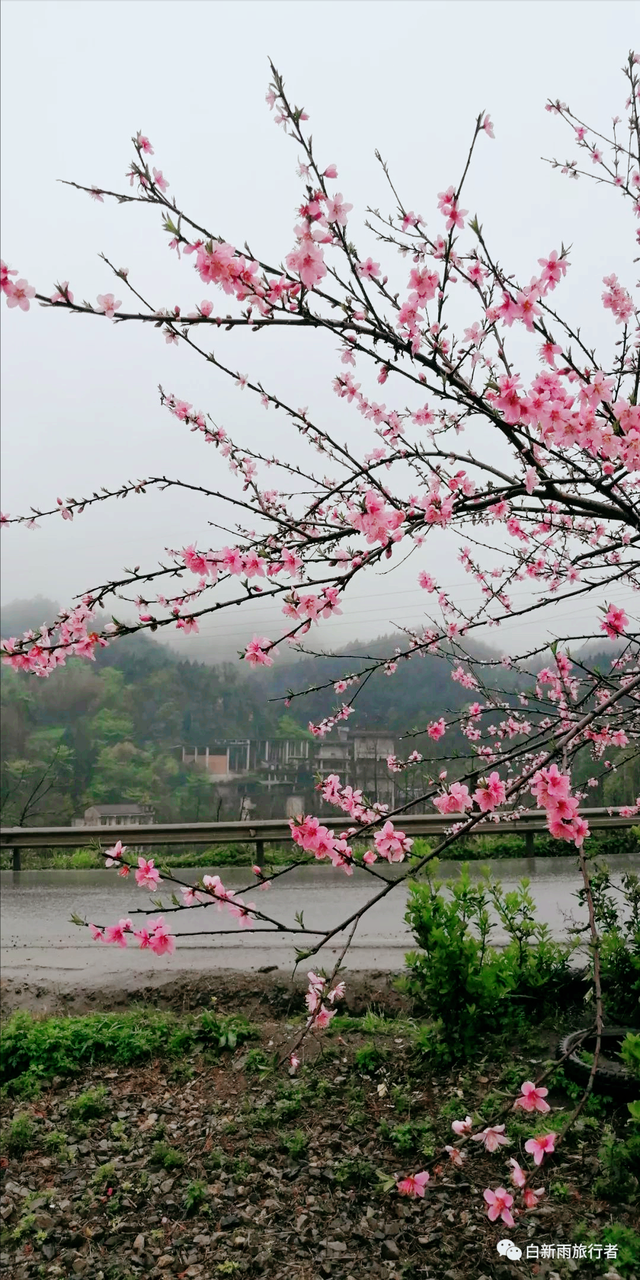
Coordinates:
<point>209,1167</point>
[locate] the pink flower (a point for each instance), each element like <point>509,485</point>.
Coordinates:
<point>63,294</point>
<point>499,1202</point>
<point>426,581</point>
<point>108,304</point>
<point>414,1185</point>
<point>112,855</point>
<point>330,171</point>
<point>539,1147</point>
<point>487,125</point>
<point>532,1099</point>
<point>18,293</point>
<point>96,933</point>
<point>455,800</point>
<point>115,932</point>
<point>147,877</point>
<point>337,210</point>
<point>294,1062</point>
<point>161,941</point>
<point>392,844</point>
<point>5,272</point>
<point>256,652</point>
<point>437,729</point>
<point>160,180</point>
<point>368,268</point>
<point>144,144</point>
<point>518,1175</point>
<point>308,261</point>
<point>462,1127</point>
<point>456,1156</point>
<point>490,793</point>
<point>531,1197</point>
<point>492,1138</point>
<point>614,622</point>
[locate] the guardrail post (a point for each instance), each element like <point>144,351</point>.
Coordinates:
<point>259,851</point>
<point>529,843</point>
<point>16,862</point>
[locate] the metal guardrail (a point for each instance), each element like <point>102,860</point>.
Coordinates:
<point>275,831</point>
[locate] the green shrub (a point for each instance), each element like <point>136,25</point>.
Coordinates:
<point>369,1057</point>
<point>90,1105</point>
<point>21,1135</point>
<point>34,1049</point>
<point>617,916</point>
<point>471,988</point>
<point>168,1157</point>
<point>195,1195</point>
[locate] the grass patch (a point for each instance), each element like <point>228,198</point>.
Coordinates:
<point>33,1050</point>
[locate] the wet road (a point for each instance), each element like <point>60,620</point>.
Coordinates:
<point>40,943</point>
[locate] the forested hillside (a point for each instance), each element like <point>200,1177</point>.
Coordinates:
<point>111,731</point>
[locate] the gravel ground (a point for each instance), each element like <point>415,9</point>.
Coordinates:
<point>208,1168</point>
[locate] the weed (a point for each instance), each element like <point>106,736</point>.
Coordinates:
<point>21,1135</point>
<point>194,1195</point>
<point>89,1105</point>
<point>56,1140</point>
<point>103,1174</point>
<point>168,1157</point>
<point>35,1049</point>
<point>560,1191</point>
<point>354,1173</point>
<point>295,1143</point>
<point>369,1057</point>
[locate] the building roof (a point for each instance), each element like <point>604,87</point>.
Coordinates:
<point>117,810</point>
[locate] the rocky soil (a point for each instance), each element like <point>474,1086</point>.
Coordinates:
<point>212,1167</point>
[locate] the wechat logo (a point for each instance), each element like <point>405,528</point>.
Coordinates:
<point>507,1249</point>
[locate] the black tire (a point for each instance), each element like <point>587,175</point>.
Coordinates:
<point>612,1077</point>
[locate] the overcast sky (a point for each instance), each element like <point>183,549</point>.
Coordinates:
<point>80,404</point>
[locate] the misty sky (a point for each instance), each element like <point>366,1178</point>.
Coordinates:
<point>80,403</point>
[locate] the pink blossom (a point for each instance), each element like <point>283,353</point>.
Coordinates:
<point>63,294</point>
<point>392,844</point>
<point>5,283</point>
<point>337,210</point>
<point>96,933</point>
<point>144,144</point>
<point>456,1156</point>
<point>108,304</point>
<point>308,261</point>
<point>532,1098</point>
<point>437,729</point>
<point>160,180</point>
<point>492,1137</point>
<point>115,932</point>
<point>455,800</point>
<point>518,1175</point>
<point>462,1127</point>
<point>541,1146</point>
<point>426,581</point>
<point>161,942</point>
<point>490,793</point>
<point>147,876</point>
<point>18,293</point>
<point>531,1197</point>
<point>256,652</point>
<point>112,855</point>
<point>499,1202</point>
<point>614,622</point>
<point>331,171</point>
<point>294,1062</point>
<point>414,1185</point>
<point>487,125</point>
<point>368,268</point>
